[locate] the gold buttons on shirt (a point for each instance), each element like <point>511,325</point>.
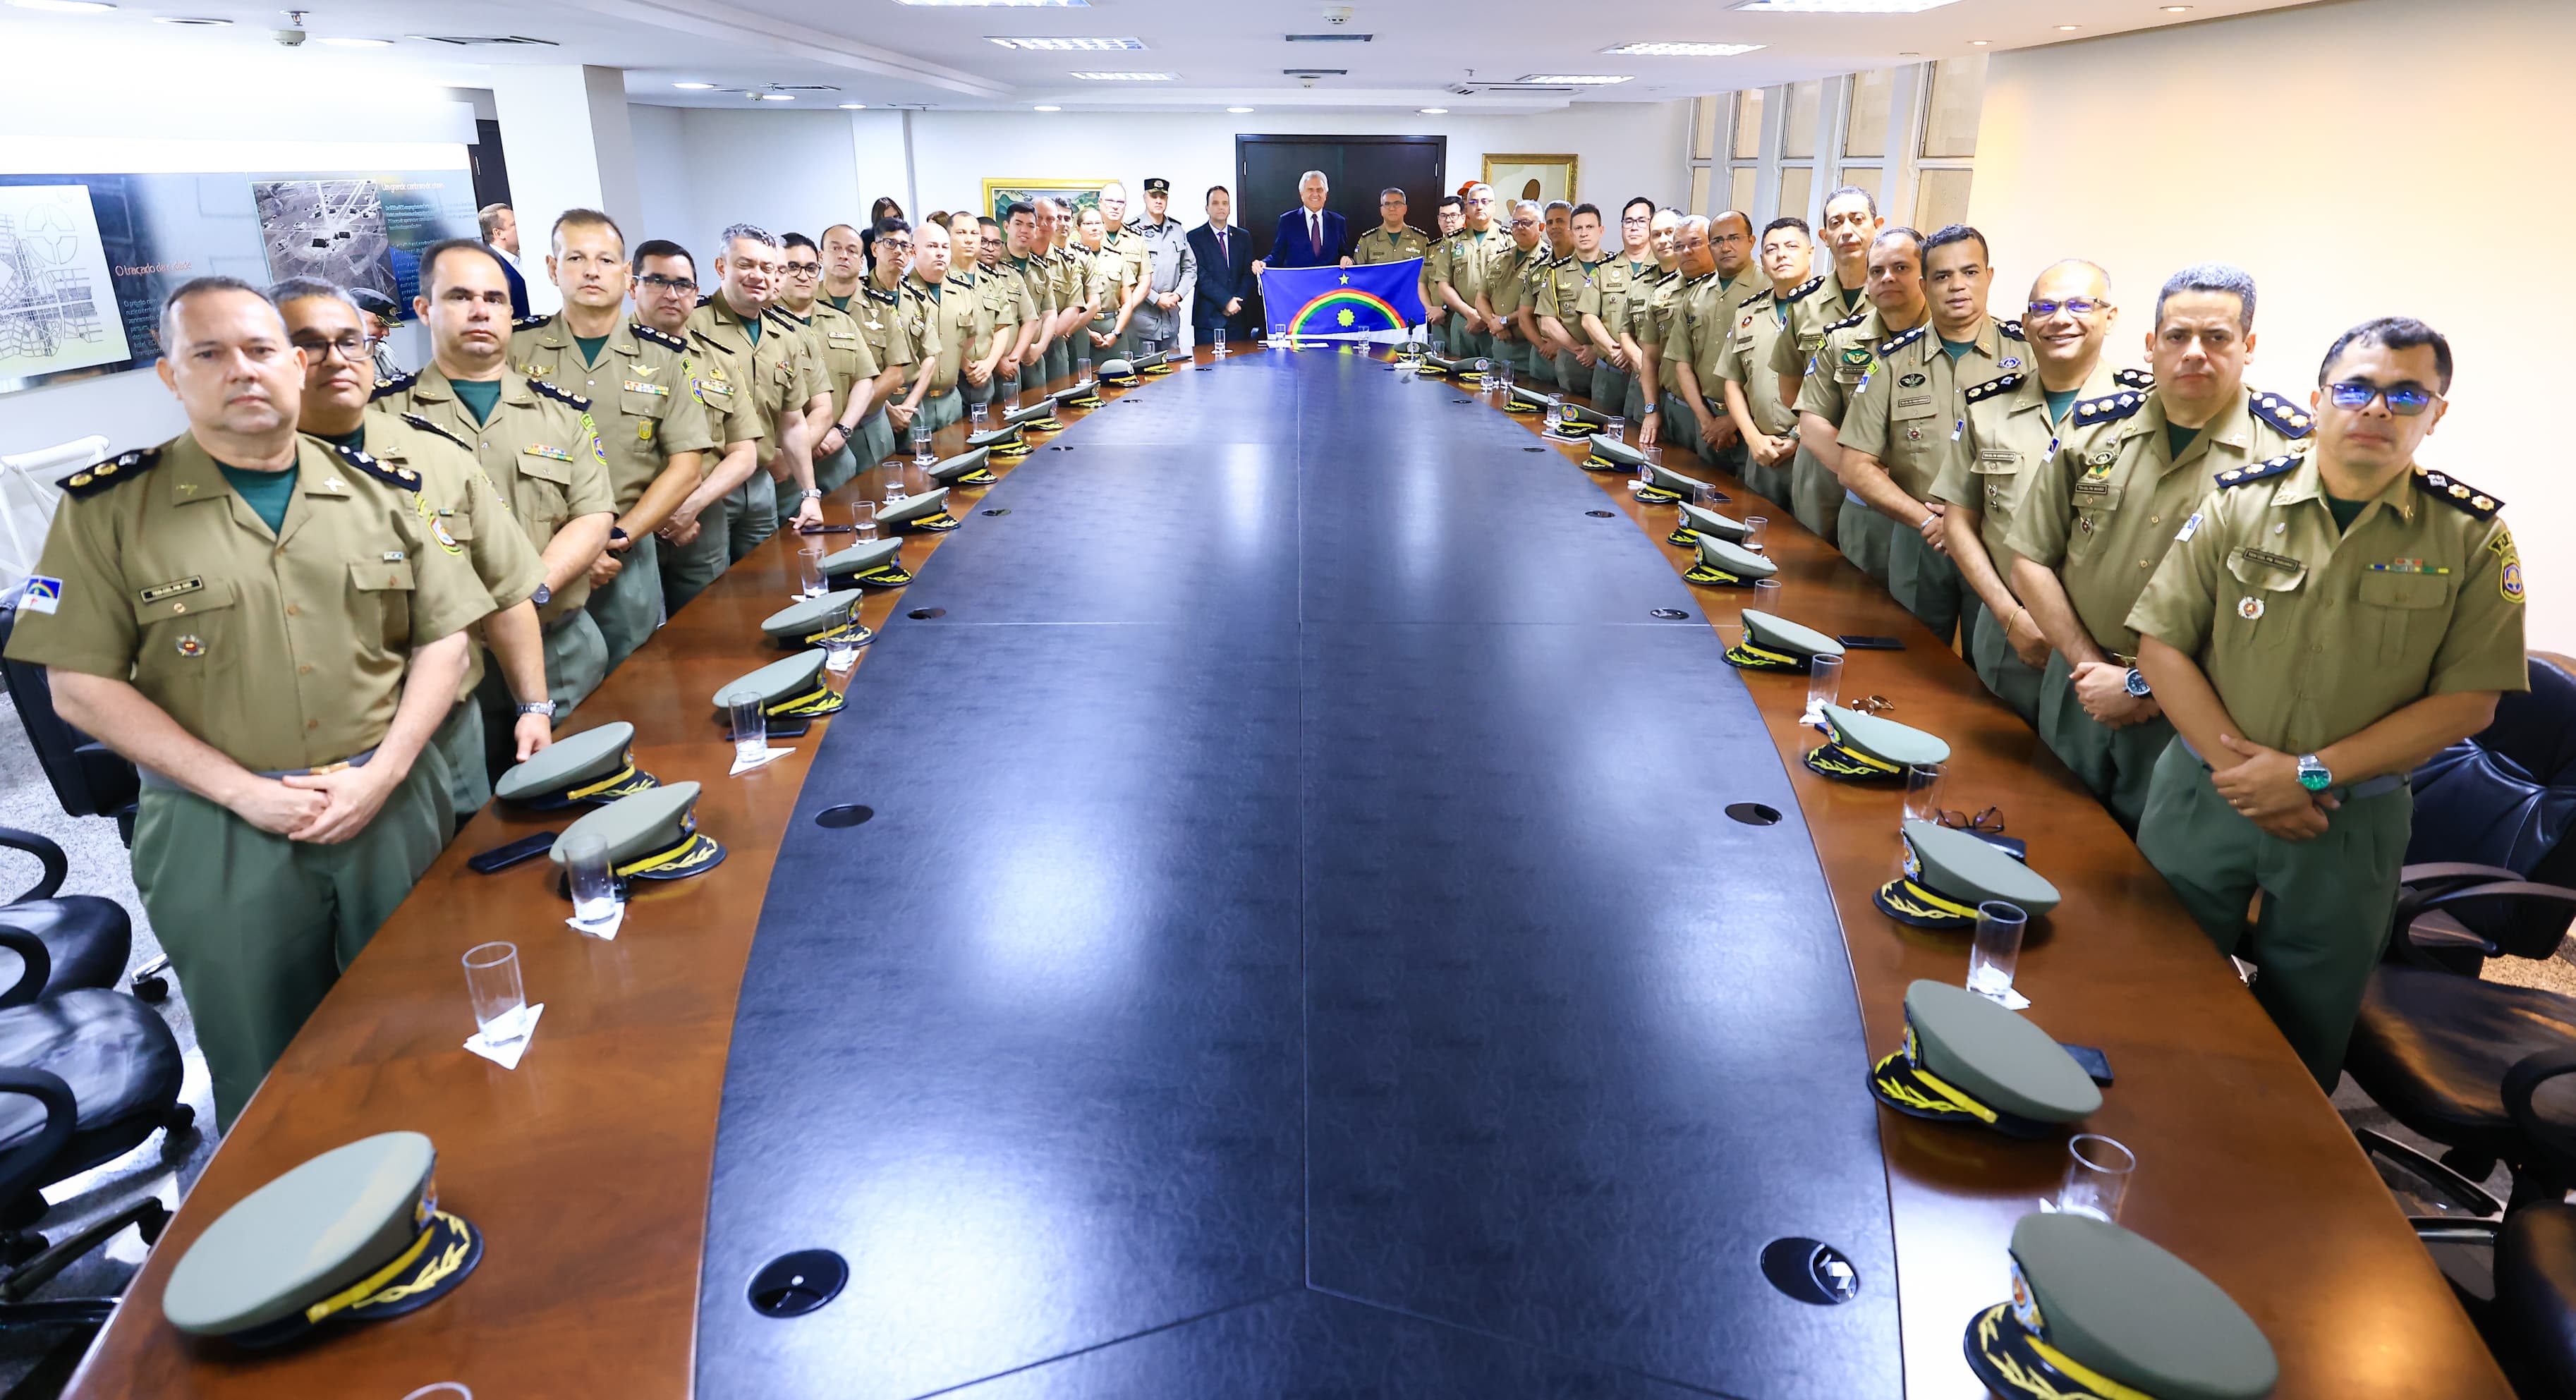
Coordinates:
<point>294,610</point>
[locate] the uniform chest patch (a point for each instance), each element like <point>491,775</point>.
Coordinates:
<point>539,449</point>
<point>1856,357</point>
<point>2249,608</point>
<point>1914,381</point>
<point>637,386</point>
<point>42,594</point>
<point>158,591</point>
<point>190,646</point>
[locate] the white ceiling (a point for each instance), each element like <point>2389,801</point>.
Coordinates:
<point>1224,52</point>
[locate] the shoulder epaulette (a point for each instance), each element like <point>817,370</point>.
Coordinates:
<point>1847,322</point>
<point>875,295</point>
<point>386,388</point>
<point>2281,413</point>
<point>403,477</point>
<point>2001,384</point>
<point>2457,495</point>
<point>651,336</point>
<point>2110,408</point>
<point>2012,330</point>
<point>568,396</point>
<point>426,426</point>
<point>707,298</point>
<point>1804,289</point>
<point>532,323</point>
<point>781,315</point>
<point>2133,379</point>
<point>89,481</point>
<point>956,281</point>
<point>1895,343</point>
<point>2259,471</point>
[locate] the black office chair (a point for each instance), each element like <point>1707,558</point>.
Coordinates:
<point>2501,805</point>
<point>85,1077</point>
<point>2531,1326</point>
<point>52,943</point>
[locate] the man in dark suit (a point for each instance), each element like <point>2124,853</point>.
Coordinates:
<point>1311,235</point>
<point>1225,284</point>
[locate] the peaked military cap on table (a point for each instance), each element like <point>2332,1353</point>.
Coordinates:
<point>1725,564</point>
<point>2100,1310</point>
<point>1120,372</point>
<point>1777,644</point>
<point>1577,421</point>
<point>1698,520</point>
<point>1663,486</point>
<point>353,1235</point>
<point>1949,873</point>
<point>1439,365</point>
<point>789,689</point>
<point>927,511</point>
<point>1004,442</point>
<point>1609,454</point>
<point>964,469</point>
<point>807,621</point>
<point>1861,748</point>
<point>594,766</point>
<point>1038,417</point>
<point>1158,363</point>
<point>651,836</point>
<point>1521,400</point>
<point>1967,1059</point>
<point>1083,395</point>
<point>869,564</point>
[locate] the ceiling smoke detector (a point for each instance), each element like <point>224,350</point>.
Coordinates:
<point>1337,14</point>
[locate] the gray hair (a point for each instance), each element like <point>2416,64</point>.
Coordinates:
<point>2212,277</point>
<point>1694,221</point>
<point>754,232</point>
<point>1479,185</point>
<point>1841,191</point>
<point>200,286</point>
<point>1315,175</point>
<point>1529,204</point>
<point>308,288</point>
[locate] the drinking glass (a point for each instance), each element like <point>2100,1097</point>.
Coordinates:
<point>977,414</point>
<point>2097,1177</point>
<point>1753,528</point>
<point>809,574</point>
<point>1555,412</point>
<point>1654,453</point>
<point>1082,368</point>
<point>492,980</point>
<point>1997,949</point>
<point>1824,687</point>
<point>1011,397</point>
<point>895,495</point>
<point>921,455</point>
<point>1766,596</point>
<point>863,519</point>
<point>840,651</point>
<point>1216,341</point>
<point>1923,792</point>
<point>586,871</point>
<point>748,722</point>
<point>1619,427</point>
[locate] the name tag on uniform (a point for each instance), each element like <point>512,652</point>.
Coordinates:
<point>154,594</point>
<point>844,335</point>
<point>638,387</point>
<point>1913,401</point>
<point>2003,455</point>
<point>2092,486</point>
<point>2269,559</point>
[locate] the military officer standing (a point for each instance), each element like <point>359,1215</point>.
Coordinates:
<point>1071,267</point>
<point>1135,276</point>
<point>2097,519</point>
<point>1628,281</point>
<point>2014,424</point>
<point>1508,280</point>
<point>1650,321</point>
<point>837,364</point>
<point>1707,324</point>
<point>1106,291</point>
<point>733,329</point>
<point>666,295</point>
<point>896,323</point>
<point>1572,282</point>
<point>1768,427</point>
<point>2323,623</point>
<point>1003,307</point>
<point>1020,233</point>
<point>1848,355</point>
<point>456,503</point>
<point>267,627</point>
<point>1156,324</point>
<point>653,428</point>
<point>1437,318</point>
<point>1393,240</point>
<point>540,446</point>
<point>1466,284</point>
<point>955,320</point>
<point>1909,417</point>
<point>1835,295</point>
<point>1671,423</point>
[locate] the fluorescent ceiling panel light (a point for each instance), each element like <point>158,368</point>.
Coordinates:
<point>1045,42</point>
<point>1050,109</point>
<point>1842,7</point>
<point>1434,111</point>
<point>65,7</point>
<point>1240,111</point>
<point>1683,50</point>
<point>695,87</point>
<point>854,106</point>
<point>345,42</point>
<point>1574,79</point>
<point>775,96</point>
<point>1124,77</point>
<point>206,20</point>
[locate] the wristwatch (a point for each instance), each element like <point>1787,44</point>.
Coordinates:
<point>542,596</point>
<point>2313,773</point>
<point>810,493</point>
<point>537,707</point>
<point>1647,411</point>
<point>2136,683</point>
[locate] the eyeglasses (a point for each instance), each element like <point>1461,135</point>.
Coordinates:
<point>660,283</point>
<point>2404,400</point>
<point>2080,306</point>
<point>1989,821</point>
<point>356,349</point>
<point>804,269</point>
<point>894,245</point>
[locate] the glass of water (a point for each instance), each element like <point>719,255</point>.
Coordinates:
<point>809,574</point>
<point>841,650</point>
<point>1654,453</point>
<point>1082,368</point>
<point>1923,792</point>
<point>1824,687</point>
<point>1753,527</point>
<point>1619,426</point>
<point>978,414</point>
<point>748,721</point>
<point>1216,340</point>
<point>1555,412</point>
<point>863,519</point>
<point>1997,949</point>
<point>492,980</point>
<point>895,495</point>
<point>2097,1177</point>
<point>1766,596</point>
<point>1011,397</point>
<point>921,442</point>
<point>586,872</point>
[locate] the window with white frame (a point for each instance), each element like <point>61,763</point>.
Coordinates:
<point>1907,135</point>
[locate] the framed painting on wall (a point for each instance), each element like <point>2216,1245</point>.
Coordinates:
<point>1002,194</point>
<point>1542,178</point>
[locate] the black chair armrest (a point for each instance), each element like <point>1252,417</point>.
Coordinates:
<point>57,866</point>
<point>2517,891</point>
<point>28,1167</point>
<point>2452,872</point>
<point>39,961</point>
<point>2556,1142</point>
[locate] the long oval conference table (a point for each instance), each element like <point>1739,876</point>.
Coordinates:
<point>1298,946</point>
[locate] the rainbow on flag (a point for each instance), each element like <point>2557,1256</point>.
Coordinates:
<point>1382,301</point>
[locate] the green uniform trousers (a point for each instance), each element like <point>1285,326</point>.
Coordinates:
<point>1059,360</point>
<point>688,569</point>
<point>1633,402</point>
<point>1610,390</point>
<point>1465,344</point>
<point>1436,335</point>
<point>2115,765</point>
<point>1573,376</point>
<point>1770,483</point>
<point>876,439</point>
<point>751,515</point>
<point>1926,582</point>
<point>629,606</point>
<point>2013,680</point>
<point>970,393</point>
<point>943,410</point>
<point>1679,428</point>
<point>1865,537</point>
<point>834,472</point>
<point>459,742</point>
<point>2326,901</point>
<point>1815,496</point>
<point>1530,363</point>
<point>258,927</point>
<point>576,662</point>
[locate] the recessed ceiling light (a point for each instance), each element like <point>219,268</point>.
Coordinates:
<point>775,96</point>
<point>65,7</point>
<point>1124,77</point>
<point>2177,9</point>
<point>1239,111</point>
<point>854,106</point>
<point>1050,109</point>
<point>2068,28</point>
<point>1981,43</point>
<point>208,21</point>
<point>1843,7</point>
<point>343,41</point>
<point>1672,49</point>
<point>1573,79</point>
<point>1435,111</point>
<point>694,87</point>
<point>1061,44</point>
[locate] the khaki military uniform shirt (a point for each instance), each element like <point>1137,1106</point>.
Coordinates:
<point>1911,412</point>
<point>2104,509</point>
<point>1037,278</point>
<point>1136,257</point>
<point>1816,306</point>
<point>1849,353</point>
<point>1623,288</point>
<point>960,321</point>
<point>462,510</point>
<point>1006,301</point>
<point>1379,246</point>
<point>1476,261</point>
<point>284,650</point>
<point>1435,273</point>
<point>1759,326</point>
<point>1699,329</point>
<point>540,449</point>
<point>765,381</point>
<point>1511,280</point>
<point>1572,287</point>
<point>639,392</point>
<point>1105,284</point>
<point>834,341</point>
<point>2009,437</point>
<point>1071,270</point>
<point>1671,331</point>
<point>2311,634</point>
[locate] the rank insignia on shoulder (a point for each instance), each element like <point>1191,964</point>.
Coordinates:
<point>2001,384</point>
<point>563,395</point>
<point>1847,322</point>
<point>2109,408</point>
<point>426,426</point>
<point>403,477</point>
<point>2012,330</point>
<point>1894,344</point>
<point>532,323</point>
<point>2459,495</point>
<point>2281,413</point>
<point>2133,379</point>
<point>651,336</point>
<point>89,481</point>
<point>1804,289</point>
<point>2259,471</point>
<point>385,388</point>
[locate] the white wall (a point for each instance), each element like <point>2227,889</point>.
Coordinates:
<point>2344,154</point>
<point>702,169</point>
